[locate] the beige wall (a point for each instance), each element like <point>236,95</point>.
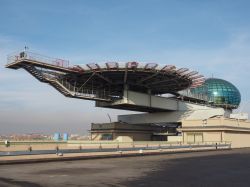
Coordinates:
<point>218,129</point>
<point>133,136</point>
<point>193,137</point>
<point>96,136</point>
<point>196,137</point>
<point>216,122</point>
<point>174,138</point>
<point>124,136</point>
<point>238,139</point>
<point>212,136</point>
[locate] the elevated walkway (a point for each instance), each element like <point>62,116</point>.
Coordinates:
<point>53,71</point>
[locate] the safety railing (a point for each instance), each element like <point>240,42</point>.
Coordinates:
<point>91,147</point>
<point>189,94</point>
<point>84,92</point>
<point>27,55</point>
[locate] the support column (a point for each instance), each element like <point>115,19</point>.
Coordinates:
<point>125,93</point>
<point>149,97</point>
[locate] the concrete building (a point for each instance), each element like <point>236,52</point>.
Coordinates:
<point>217,129</point>
<point>176,104</point>
<point>132,132</point>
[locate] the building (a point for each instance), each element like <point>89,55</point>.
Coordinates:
<point>132,132</point>
<point>177,104</point>
<point>217,129</point>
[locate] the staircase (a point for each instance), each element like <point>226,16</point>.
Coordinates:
<point>43,78</point>
<point>35,72</point>
<point>61,85</point>
<point>58,86</point>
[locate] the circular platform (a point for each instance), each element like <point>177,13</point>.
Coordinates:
<point>146,78</point>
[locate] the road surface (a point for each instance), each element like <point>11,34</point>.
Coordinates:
<point>213,168</point>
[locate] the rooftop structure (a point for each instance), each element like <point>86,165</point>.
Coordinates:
<point>105,82</point>
<point>220,93</point>
<point>193,103</point>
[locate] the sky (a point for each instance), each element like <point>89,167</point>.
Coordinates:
<point>209,36</point>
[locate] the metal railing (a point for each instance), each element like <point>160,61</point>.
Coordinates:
<point>84,92</point>
<point>27,55</point>
<point>59,147</point>
<point>199,96</point>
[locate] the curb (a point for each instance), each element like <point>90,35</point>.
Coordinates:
<point>112,155</point>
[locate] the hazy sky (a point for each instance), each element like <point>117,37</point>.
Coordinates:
<point>211,36</point>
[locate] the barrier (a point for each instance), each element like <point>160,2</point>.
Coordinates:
<point>27,55</point>
<point>117,146</point>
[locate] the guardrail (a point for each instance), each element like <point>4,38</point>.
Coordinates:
<point>85,93</point>
<point>31,149</point>
<point>12,143</point>
<point>104,142</point>
<point>27,55</point>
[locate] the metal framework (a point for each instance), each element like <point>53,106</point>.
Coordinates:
<point>104,82</point>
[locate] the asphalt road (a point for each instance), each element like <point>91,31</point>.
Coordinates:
<point>221,168</point>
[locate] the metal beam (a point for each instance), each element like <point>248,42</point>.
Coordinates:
<point>104,78</point>
<point>87,80</point>
<point>161,81</point>
<point>125,74</point>
<point>149,77</point>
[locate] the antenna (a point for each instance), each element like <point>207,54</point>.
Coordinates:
<point>109,118</point>
<point>26,48</point>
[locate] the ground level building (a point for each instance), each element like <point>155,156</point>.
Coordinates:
<point>132,132</point>
<point>217,129</point>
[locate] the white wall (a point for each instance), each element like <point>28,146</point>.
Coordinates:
<point>175,116</point>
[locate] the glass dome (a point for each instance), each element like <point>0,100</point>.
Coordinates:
<point>220,93</point>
